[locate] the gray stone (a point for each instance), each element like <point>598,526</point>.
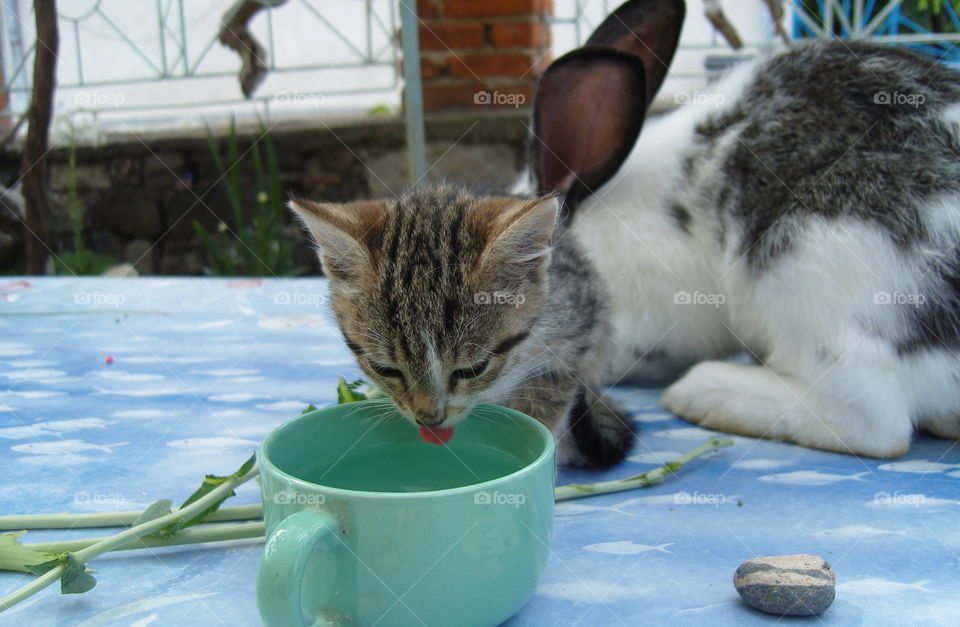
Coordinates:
<point>181,208</point>
<point>165,164</point>
<point>105,242</point>
<point>88,177</point>
<point>786,585</point>
<point>120,271</point>
<point>59,220</point>
<point>488,165</point>
<point>126,211</point>
<point>139,252</point>
<point>10,246</point>
<point>11,229</point>
<point>181,258</point>
<point>335,175</point>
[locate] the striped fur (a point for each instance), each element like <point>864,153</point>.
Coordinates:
<point>449,299</point>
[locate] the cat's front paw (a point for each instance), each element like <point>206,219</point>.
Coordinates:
<point>696,395</point>
<point>717,395</point>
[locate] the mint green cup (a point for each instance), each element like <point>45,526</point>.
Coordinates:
<point>367,524</point>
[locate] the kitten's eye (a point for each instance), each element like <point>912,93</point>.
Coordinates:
<point>470,373</point>
<point>385,371</point>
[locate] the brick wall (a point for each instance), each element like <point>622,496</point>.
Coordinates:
<point>477,54</point>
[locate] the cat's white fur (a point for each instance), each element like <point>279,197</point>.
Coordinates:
<point>831,378</point>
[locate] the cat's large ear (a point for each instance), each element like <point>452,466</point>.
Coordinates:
<point>591,102</point>
<point>649,29</point>
<point>587,114</point>
<point>518,231</point>
<point>347,235</point>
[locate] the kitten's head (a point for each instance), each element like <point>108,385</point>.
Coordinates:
<point>436,292</point>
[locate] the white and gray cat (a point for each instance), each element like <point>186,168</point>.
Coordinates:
<point>806,210</point>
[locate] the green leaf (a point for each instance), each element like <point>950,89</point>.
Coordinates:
<point>15,556</point>
<point>76,579</point>
<point>40,569</point>
<point>209,483</point>
<point>347,392</point>
<point>309,409</point>
<point>158,510</point>
<point>670,467</point>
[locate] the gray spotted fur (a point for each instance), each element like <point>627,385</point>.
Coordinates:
<point>809,139</point>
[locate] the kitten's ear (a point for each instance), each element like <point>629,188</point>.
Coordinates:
<point>348,235</point>
<point>519,231</point>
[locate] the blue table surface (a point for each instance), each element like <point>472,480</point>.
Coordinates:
<point>204,368</point>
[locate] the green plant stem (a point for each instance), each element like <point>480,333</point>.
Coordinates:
<point>131,538</point>
<point>579,490</point>
<point>255,511</point>
<point>114,519</point>
<point>193,535</point>
<point>75,211</point>
<point>125,537</point>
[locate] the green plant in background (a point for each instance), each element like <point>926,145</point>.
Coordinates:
<point>927,13</point>
<point>81,260</point>
<point>930,14</point>
<point>936,5</point>
<point>256,246</point>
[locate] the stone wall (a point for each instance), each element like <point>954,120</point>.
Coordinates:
<point>141,194</point>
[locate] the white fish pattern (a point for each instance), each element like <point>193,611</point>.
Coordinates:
<point>627,547</point>
<point>856,532</point>
<point>921,466</point>
<point>875,586</point>
<point>811,477</point>
<point>759,464</point>
<point>62,447</point>
<point>203,444</point>
<point>908,502</point>
<point>239,397</point>
<point>28,374</point>
<point>590,591</point>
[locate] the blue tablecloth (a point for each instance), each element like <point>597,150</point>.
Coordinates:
<point>203,368</point>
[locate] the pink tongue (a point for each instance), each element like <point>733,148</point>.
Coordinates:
<point>436,436</point>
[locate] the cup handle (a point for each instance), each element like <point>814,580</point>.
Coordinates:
<point>282,565</point>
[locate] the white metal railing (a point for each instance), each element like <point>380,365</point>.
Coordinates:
<point>136,62</point>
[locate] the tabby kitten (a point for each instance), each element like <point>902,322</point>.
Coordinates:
<point>449,299</point>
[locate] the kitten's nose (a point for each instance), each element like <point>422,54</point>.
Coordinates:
<point>435,419</point>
